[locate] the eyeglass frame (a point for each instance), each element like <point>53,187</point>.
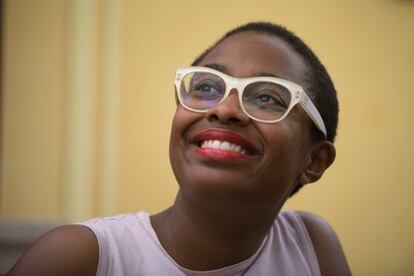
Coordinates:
<point>297,93</point>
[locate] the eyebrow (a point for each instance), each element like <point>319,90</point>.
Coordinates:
<point>224,69</point>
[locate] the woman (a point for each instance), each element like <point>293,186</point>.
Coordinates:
<point>245,137</point>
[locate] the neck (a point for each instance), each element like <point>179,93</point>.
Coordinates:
<point>217,235</point>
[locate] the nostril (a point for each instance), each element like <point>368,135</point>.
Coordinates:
<point>233,120</point>
<point>212,117</point>
<point>225,116</point>
<point>228,112</point>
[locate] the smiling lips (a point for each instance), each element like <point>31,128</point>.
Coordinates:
<point>216,144</point>
<point>223,144</point>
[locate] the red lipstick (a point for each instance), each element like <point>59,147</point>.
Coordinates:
<point>239,146</point>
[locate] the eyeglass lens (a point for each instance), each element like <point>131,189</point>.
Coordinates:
<point>261,100</point>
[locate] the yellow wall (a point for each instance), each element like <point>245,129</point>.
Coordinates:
<point>88,100</point>
<point>33,90</point>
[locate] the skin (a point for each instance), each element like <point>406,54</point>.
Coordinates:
<point>212,214</point>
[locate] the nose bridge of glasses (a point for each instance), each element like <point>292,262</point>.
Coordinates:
<point>233,86</point>
<point>232,97</point>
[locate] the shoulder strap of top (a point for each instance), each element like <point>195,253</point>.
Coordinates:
<point>296,222</point>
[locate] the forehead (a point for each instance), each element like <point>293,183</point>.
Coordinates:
<point>249,54</point>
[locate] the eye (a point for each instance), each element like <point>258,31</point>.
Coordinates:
<point>265,99</point>
<point>269,99</point>
<point>206,89</point>
<point>267,96</point>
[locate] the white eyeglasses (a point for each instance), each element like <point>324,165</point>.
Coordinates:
<point>264,99</point>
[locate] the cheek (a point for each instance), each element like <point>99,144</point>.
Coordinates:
<point>178,126</point>
<point>175,144</point>
<point>285,157</point>
<point>182,121</point>
<point>175,126</point>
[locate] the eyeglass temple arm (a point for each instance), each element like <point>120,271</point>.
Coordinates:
<point>313,113</point>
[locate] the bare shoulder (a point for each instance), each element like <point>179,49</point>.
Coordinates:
<point>66,250</point>
<point>331,257</point>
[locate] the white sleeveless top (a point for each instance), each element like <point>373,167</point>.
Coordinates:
<point>128,245</point>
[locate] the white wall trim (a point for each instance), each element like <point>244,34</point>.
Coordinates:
<point>80,109</point>
<point>109,177</point>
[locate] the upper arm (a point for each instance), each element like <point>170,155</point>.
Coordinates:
<point>66,250</point>
<point>331,257</point>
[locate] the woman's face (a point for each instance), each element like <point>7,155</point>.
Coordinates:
<point>272,156</point>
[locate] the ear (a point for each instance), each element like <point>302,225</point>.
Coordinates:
<point>320,158</point>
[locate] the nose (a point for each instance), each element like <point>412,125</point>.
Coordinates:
<point>229,111</point>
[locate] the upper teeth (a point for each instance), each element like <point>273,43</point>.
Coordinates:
<point>223,145</point>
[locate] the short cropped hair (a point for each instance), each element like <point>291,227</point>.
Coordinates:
<point>319,85</point>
